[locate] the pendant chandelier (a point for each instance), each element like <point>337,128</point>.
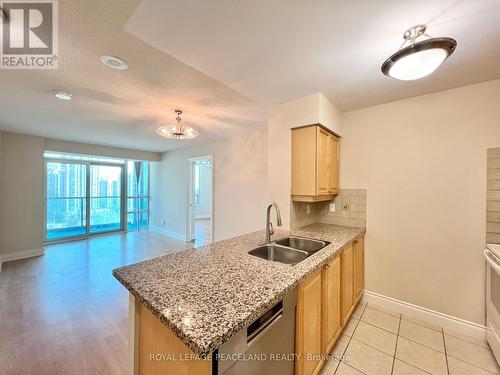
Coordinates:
<point>177,131</point>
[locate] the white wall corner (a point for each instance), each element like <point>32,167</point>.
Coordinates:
<point>447,322</point>
<point>329,115</point>
<point>22,254</point>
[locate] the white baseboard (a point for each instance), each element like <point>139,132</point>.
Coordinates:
<point>168,233</point>
<point>448,322</point>
<point>16,255</point>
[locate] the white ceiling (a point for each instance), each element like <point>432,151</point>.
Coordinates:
<point>217,59</point>
<point>112,107</point>
<point>277,50</point>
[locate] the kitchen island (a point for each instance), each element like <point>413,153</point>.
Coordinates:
<point>204,296</point>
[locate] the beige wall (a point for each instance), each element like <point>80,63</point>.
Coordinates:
<point>240,173</point>
<point>310,109</point>
<point>423,162</point>
<point>21,192</point>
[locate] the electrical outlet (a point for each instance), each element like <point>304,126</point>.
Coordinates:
<point>308,209</point>
<point>332,207</point>
<point>346,207</point>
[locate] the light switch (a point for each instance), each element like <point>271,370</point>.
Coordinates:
<point>332,207</point>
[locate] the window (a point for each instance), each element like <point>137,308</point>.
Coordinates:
<point>87,195</point>
<point>138,195</point>
<point>66,200</point>
<point>197,184</point>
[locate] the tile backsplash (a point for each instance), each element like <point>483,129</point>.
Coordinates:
<point>350,210</point>
<point>493,197</point>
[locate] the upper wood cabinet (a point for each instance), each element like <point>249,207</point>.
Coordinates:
<point>315,164</point>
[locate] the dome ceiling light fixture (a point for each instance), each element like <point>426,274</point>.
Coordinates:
<point>63,95</point>
<point>177,131</point>
<point>418,59</point>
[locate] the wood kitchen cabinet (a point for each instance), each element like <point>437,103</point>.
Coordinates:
<point>309,325</point>
<point>332,325</point>
<point>326,300</point>
<point>347,282</point>
<point>315,163</point>
<point>359,268</point>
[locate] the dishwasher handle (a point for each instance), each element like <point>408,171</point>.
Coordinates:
<point>259,328</point>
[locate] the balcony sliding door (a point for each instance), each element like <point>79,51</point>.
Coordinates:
<point>105,212</point>
<point>83,198</point>
<point>66,203</point>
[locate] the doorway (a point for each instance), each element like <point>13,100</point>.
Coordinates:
<point>200,200</point>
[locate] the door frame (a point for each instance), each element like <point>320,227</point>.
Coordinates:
<point>190,209</point>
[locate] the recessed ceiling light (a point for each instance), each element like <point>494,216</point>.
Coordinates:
<point>418,59</point>
<point>114,62</point>
<point>63,95</point>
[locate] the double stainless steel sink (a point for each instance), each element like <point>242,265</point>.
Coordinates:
<point>289,250</point>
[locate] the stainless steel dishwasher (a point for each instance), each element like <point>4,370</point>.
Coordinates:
<point>266,346</point>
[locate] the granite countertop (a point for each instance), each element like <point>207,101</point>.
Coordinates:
<point>208,294</point>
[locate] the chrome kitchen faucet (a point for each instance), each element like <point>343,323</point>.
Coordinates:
<point>269,225</point>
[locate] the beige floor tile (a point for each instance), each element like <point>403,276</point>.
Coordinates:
<point>378,338</point>
<point>335,355</point>
<point>401,368</point>
<point>358,311</point>
<point>329,368</point>
<point>422,323</point>
<point>340,346</point>
<point>381,319</point>
<point>350,326</point>
<point>367,359</point>
<point>473,340</point>
<point>474,354</point>
<point>384,309</point>
<point>458,367</point>
<point>423,335</point>
<point>421,356</point>
<point>347,370</point>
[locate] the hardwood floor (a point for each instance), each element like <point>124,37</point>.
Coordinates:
<point>64,312</point>
<point>202,232</point>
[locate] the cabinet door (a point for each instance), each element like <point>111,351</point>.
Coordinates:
<point>359,268</point>
<point>322,162</point>
<point>347,266</point>
<point>309,337</point>
<point>304,145</point>
<point>333,158</point>
<point>331,303</point>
